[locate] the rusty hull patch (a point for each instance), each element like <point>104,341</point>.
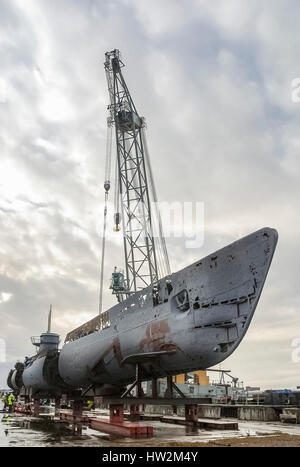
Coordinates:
<point>156,333</point>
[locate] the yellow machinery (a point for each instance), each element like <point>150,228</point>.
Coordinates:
<point>200,377</point>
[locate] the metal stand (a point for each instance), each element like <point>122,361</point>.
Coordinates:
<point>36,407</point>
<point>77,408</point>
<point>191,414</point>
<point>77,416</point>
<point>171,386</point>
<point>137,382</point>
<point>134,412</point>
<point>169,391</point>
<point>57,406</point>
<point>154,389</point>
<point>116,413</point>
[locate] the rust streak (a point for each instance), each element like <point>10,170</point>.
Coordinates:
<point>156,333</point>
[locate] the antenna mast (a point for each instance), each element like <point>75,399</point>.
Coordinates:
<point>49,319</point>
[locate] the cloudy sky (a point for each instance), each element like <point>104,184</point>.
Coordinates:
<point>214,81</point>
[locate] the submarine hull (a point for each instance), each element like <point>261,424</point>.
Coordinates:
<point>41,377</point>
<point>196,325</point>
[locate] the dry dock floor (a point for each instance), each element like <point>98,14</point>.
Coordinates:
<point>20,430</point>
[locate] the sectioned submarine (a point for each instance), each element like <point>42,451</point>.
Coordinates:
<point>200,316</point>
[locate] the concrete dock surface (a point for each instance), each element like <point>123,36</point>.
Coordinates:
<point>23,430</point>
<point>3,431</point>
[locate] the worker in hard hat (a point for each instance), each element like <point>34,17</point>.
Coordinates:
<point>4,400</point>
<point>11,400</point>
<point>90,404</point>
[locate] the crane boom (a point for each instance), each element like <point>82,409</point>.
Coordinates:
<point>139,246</point>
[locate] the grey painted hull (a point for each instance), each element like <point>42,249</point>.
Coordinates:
<point>42,378</point>
<point>222,290</point>
<point>33,376</point>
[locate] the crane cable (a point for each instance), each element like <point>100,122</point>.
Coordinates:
<point>106,188</point>
<point>103,254</point>
<point>161,238</point>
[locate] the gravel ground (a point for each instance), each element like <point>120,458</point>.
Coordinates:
<point>280,440</point>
